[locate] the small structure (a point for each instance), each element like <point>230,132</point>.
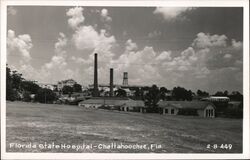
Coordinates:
<point>200,108</point>
<point>122,104</point>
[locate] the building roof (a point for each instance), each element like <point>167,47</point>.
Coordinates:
<point>216,98</point>
<point>115,101</point>
<point>134,103</point>
<point>185,104</point>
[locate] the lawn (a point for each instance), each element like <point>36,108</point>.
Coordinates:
<point>37,124</point>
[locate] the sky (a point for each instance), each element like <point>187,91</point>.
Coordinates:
<point>191,47</point>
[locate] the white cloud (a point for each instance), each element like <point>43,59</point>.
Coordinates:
<point>11,11</point>
<point>105,15</point>
<point>164,56</point>
<point>206,40</point>
<point>21,44</point>
<point>58,61</point>
<point>80,60</point>
<point>58,65</point>
<point>87,38</point>
<point>61,43</point>
<point>90,40</point>
<point>139,65</point>
<point>130,45</point>
<point>56,69</point>
<point>185,62</point>
<point>170,13</point>
<point>227,56</point>
<point>202,72</point>
<point>76,17</point>
<point>237,45</point>
<point>154,34</point>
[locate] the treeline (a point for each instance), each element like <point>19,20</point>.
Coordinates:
<point>17,88</point>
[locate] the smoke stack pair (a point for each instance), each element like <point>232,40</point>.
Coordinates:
<point>96,90</point>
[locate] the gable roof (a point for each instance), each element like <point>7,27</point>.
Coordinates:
<point>185,104</point>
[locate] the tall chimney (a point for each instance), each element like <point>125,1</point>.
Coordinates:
<point>111,85</point>
<point>125,79</point>
<point>95,91</point>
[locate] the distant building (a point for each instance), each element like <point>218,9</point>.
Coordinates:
<point>200,108</point>
<point>68,82</point>
<point>48,86</point>
<point>123,104</point>
<point>129,92</point>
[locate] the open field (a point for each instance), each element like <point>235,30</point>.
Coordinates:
<point>63,124</point>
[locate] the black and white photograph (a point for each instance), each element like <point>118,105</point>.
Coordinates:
<point>124,79</point>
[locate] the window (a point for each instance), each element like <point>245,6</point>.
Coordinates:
<point>209,112</point>
<point>172,111</point>
<point>166,111</point>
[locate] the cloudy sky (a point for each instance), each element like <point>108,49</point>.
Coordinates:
<point>196,48</point>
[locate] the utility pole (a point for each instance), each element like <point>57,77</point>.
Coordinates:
<point>45,97</point>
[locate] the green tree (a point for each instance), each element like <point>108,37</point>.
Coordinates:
<point>67,90</point>
<point>77,88</point>
<point>26,96</point>
<point>9,88</point>
<point>30,86</point>
<point>13,84</point>
<point>236,96</point>
<point>180,93</point>
<point>45,95</point>
<point>152,98</point>
<point>225,93</point>
<point>138,93</point>
<point>202,93</point>
<point>16,80</point>
<point>120,93</point>
<point>163,92</point>
<point>219,93</point>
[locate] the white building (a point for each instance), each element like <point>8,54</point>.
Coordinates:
<point>48,86</point>
<point>68,82</point>
<point>201,108</point>
<point>122,104</point>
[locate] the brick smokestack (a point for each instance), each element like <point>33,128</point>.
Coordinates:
<point>111,85</point>
<point>95,91</point>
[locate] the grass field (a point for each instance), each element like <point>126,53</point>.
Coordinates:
<point>63,124</point>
